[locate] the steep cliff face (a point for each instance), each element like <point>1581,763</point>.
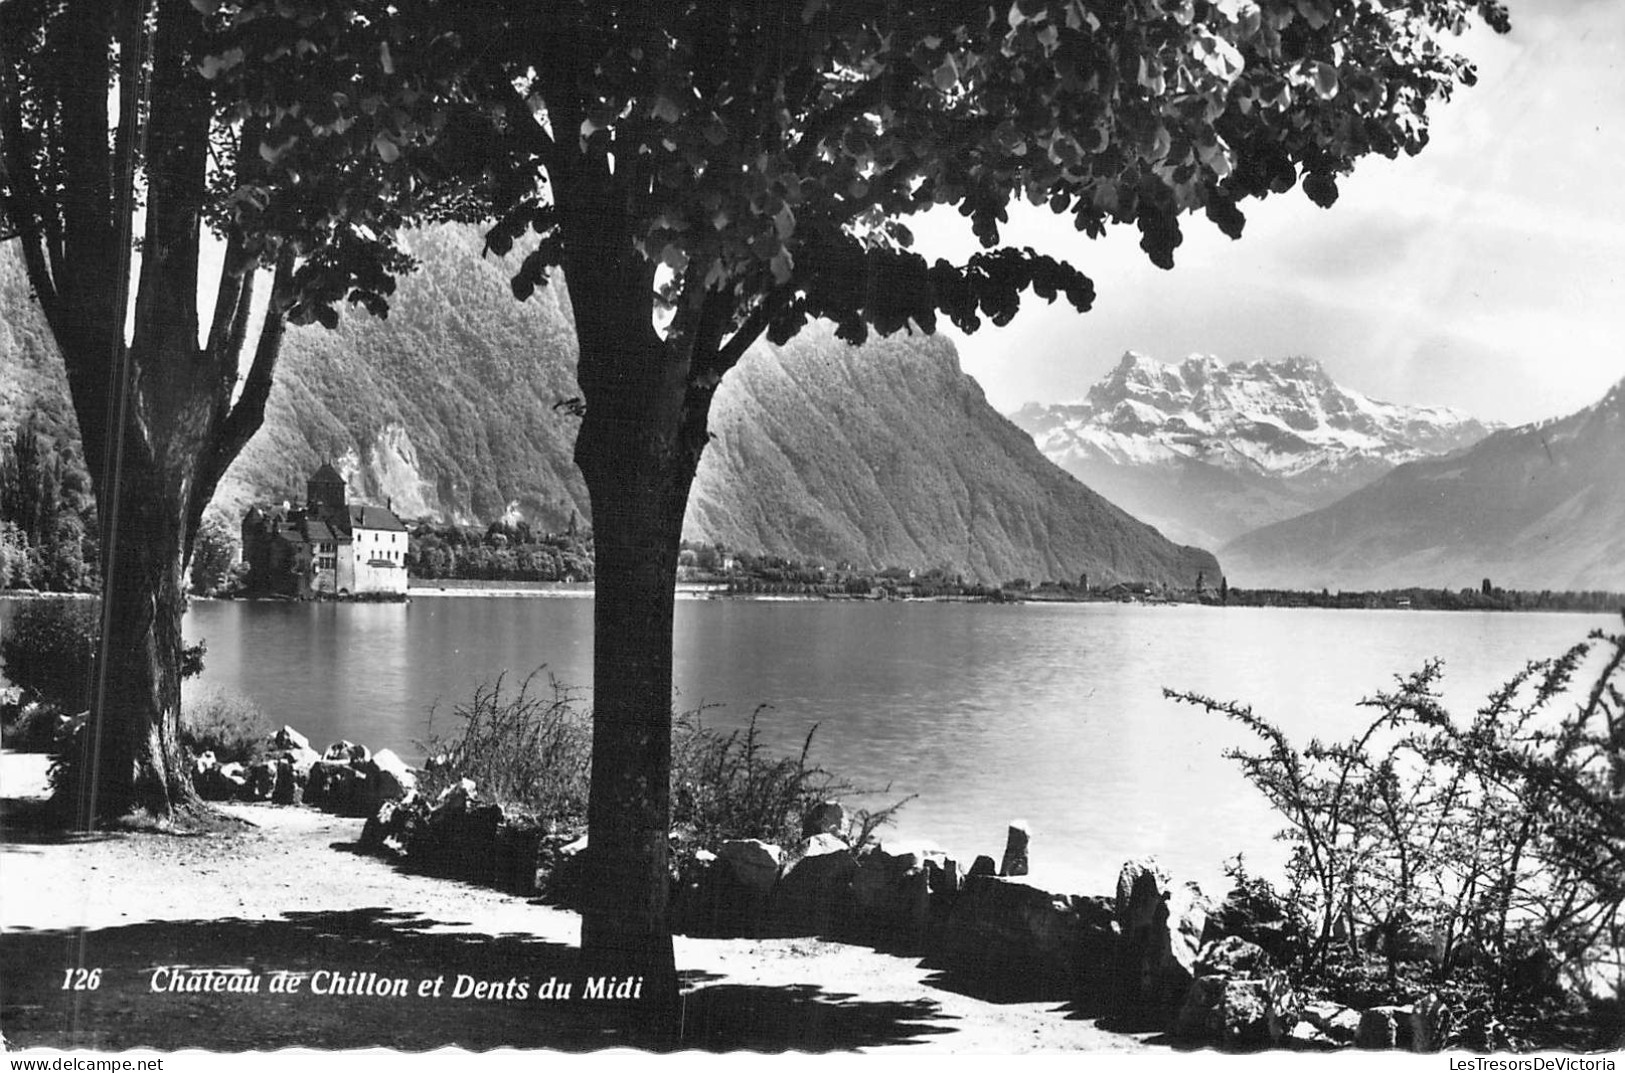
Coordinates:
<point>1207,450</point>
<point>882,455</point>
<point>889,454</point>
<point>1541,506</point>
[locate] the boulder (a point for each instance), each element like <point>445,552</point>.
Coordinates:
<point>303,760</point>
<point>727,895</point>
<point>983,866</point>
<point>1014,862</point>
<point>262,780</point>
<point>220,783</point>
<point>1238,1012</point>
<point>815,891</point>
<point>1012,936</point>
<point>396,780</point>
<point>1338,1024</point>
<point>460,795</point>
<point>1432,1020</point>
<point>754,863</point>
<point>289,788</point>
<point>1383,1028</point>
<point>289,740</point>
<point>825,818</point>
<point>1252,911</point>
<point>1161,926</point>
<point>1232,956</point>
<point>385,777</point>
<point>346,752</point>
<point>891,894</point>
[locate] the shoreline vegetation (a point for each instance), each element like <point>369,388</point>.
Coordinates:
<point>1410,599</point>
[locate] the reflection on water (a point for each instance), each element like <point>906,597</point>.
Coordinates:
<point>1049,713</point>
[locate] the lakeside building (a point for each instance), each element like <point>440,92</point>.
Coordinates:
<point>328,547</point>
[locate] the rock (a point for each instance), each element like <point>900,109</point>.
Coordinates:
<point>303,760</point>
<point>1339,1024</point>
<point>289,788</point>
<point>1014,862</point>
<point>459,795</point>
<point>1007,934</point>
<point>943,875</point>
<point>815,892</point>
<point>1231,956</point>
<point>752,862</point>
<point>1383,1028</point>
<point>1255,913</point>
<point>380,826</point>
<point>218,784</point>
<point>385,778</point>
<point>262,780</point>
<point>289,739</point>
<point>1161,927</point>
<point>1306,1036</point>
<point>983,866</point>
<point>396,779</point>
<point>729,896</point>
<point>1431,1023</point>
<point>1238,1012</point>
<point>825,818</point>
<point>891,895</point>
<point>347,752</point>
<point>518,849</point>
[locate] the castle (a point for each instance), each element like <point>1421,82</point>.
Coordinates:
<point>328,547</point>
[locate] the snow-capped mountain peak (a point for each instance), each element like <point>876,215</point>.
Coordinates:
<point>1213,424</point>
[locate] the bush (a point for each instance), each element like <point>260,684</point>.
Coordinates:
<point>523,751</point>
<point>726,786</point>
<point>533,753</point>
<point>1484,862</point>
<point>224,722</point>
<point>49,650</point>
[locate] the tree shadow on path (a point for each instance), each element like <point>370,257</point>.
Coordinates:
<point>48,999</point>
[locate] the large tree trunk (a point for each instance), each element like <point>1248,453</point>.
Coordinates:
<point>157,417</point>
<point>638,449</point>
<point>133,756</point>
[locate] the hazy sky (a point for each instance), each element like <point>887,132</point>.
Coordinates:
<point>1488,273</point>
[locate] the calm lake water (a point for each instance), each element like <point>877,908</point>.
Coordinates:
<point>1049,713</point>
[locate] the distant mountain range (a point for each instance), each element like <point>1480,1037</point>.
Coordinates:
<point>1207,451</point>
<point>882,455</point>
<point>1536,507</point>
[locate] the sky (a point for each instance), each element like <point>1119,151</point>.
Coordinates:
<point>1486,274</point>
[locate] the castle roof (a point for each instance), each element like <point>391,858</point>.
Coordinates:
<point>327,475</point>
<point>367,517</point>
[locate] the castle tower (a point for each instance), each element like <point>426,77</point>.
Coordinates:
<point>325,488</point>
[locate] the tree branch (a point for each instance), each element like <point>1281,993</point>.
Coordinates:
<point>248,413</point>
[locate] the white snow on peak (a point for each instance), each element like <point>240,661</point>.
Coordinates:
<point>1283,418</point>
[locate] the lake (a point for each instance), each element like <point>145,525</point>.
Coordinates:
<point>1050,713</point>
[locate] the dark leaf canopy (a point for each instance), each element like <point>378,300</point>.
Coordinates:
<point>773,151</point>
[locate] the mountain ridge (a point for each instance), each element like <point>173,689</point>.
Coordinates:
<point>1207,450</point>
<point>1539,506</point>
<point>884,455</point>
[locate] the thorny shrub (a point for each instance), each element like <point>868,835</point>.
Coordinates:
<point>1479,860</point>
<point>531,751</point>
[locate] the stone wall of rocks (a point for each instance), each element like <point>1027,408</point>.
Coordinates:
<point>1154,955</point>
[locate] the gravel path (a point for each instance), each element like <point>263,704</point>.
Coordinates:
<point>288,901</point>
